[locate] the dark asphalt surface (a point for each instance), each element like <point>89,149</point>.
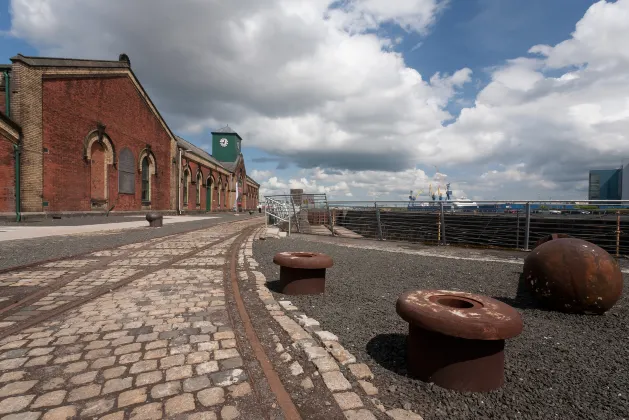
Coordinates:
<point>560,367</point>
<point>74,220</point>
<point>28,251</point>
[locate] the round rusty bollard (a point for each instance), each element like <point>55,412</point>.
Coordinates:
<point>302,273</point>
<point>551,237</point>
<point>456,339</point>
<point>572,275</point>
<point>155,219</point>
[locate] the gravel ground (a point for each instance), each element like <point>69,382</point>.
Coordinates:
<point>561,366</point>
<point>27,251</point>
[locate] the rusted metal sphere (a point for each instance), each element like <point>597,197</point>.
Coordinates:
<point>302,273</point>
<point>456,339</point>
<point>574,276</point>
<point>551,237</point>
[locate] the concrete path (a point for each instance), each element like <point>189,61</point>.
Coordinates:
<point>9,233</point>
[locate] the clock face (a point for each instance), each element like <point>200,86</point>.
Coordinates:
<point>224,142</point>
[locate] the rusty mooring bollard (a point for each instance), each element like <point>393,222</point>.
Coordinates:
<point>155,219</point>
<point>456,339</point>
<point>572,275</point>
<point>302,273</point>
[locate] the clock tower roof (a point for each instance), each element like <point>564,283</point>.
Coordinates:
<point>226,130</point>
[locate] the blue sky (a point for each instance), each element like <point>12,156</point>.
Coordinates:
<point>478,34</point>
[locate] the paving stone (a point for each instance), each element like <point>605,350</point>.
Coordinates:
<point>115,385</point>
<point>119,415</point>
<point>146,337</point>
<point>30,415</point>
<point>114,372</point>
<point>75,367</point>
<point>225,354</point>
<point>53,383</point>
<point>200,338</point>
<point>205,415</point>
<point>232,363</point>
<point>84,392</point>
<point>40,351</point>
<point>156,354</point>
<point>348,400</point>
<point>178,372</point>
<point>326,336</point>
<point>50,399</point>
<point>228,344</point>
<point>208,346</point>
<point>179,404</point>
<point>325,364</point>
<point>171,361</point>
<point>156,344</point>
<point>84,378</point>
<point>101,406</point>
<point>335,381</point>
<point>361,414</point>
<point>97,354</point>
<point>315,352</point>
<point>104,362</point>
<point>196,383</point>
<point>228,377</point>
<point>67,358</point>
<point>129,348</point>
<point>60,413</point>
<point>130,358</point>
<point>10,364</point>
<point>182,349</point>
<point>15,388</point>
<point>165,390</point>
<point>143,366</point>
<point>240,390</point>
<point>223,335</point>
<point>135,396</point>
<point>13,404</point>
<point>400,414</point>
<point>12,376</point>
<point>368,387</point>
<point>147,412</point>
<point>148,378</point>
<point>211,397</point>
<point>307,383</point>
<point>98,344</point>
<point>229,412</point>
<point>207,367</point>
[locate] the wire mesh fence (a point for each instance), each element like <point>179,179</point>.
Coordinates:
<point>495,224</point>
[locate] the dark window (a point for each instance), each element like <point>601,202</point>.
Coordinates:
<point>185,188</point>
<point>146,185</point>
<point>126,173</point>
<point>199,182</point>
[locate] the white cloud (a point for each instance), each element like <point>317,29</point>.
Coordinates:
<point>318,86</point>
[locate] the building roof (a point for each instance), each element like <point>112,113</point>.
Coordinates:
<point>226,130</point>
<point>252,180</point>
<point>8,121</point>
<point>122,62</point>
<point>185,144</point>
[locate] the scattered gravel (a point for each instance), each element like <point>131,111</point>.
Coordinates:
<point>561,366</point>
<point>27,251</point>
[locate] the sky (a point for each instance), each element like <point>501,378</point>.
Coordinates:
<point>368,99</point>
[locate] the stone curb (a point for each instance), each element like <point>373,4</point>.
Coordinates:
<point>320,347</point>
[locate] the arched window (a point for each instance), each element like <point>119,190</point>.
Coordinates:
<point>220,187</point>
<point>186,178</point>
<point>126,173</point>
<point>199,182</point>
<point>146,180</point>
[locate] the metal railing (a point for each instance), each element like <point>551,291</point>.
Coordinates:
<point>485,224</point>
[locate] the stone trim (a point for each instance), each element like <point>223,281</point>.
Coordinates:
<point>319,345</point>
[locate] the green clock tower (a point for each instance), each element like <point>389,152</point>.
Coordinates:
<point>225,144</point>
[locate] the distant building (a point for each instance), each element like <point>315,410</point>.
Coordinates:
<point>606,184</point>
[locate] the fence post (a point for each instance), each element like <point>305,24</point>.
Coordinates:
<point>443,224</point>
<point>617,234</point>
<point>527,228</point>
<point>378,220</point>
<point>517,231</point>
<point>330,221</point>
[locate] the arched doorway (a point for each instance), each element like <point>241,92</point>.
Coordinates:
<point>98,175</point>
<point>209,187</point>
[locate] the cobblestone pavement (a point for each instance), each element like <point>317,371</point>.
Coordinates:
<point>159,346</point>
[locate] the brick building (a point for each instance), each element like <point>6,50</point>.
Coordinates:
<point>88,138</point>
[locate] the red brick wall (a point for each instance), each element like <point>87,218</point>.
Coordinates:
<point>7,175</point>
<point>192,189</point>
<point>71,109</point>
<point>3,103</point>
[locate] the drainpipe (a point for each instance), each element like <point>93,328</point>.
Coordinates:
<point>18,206</point>
<point>179,181</point>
